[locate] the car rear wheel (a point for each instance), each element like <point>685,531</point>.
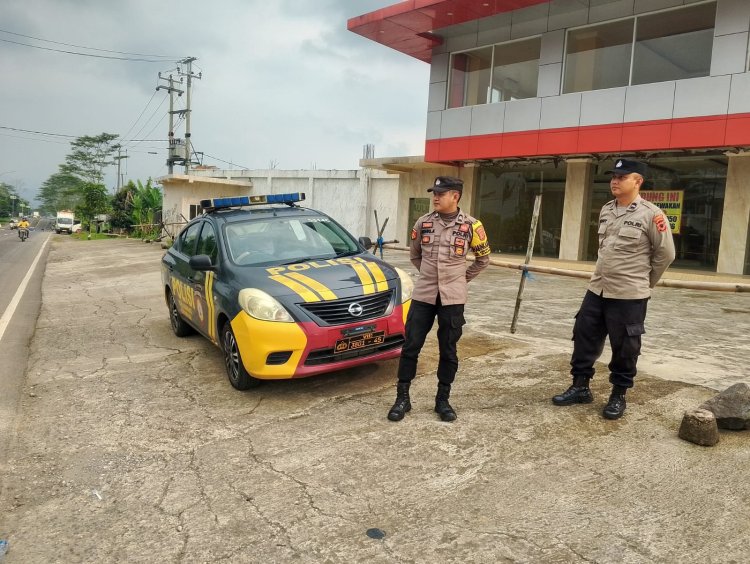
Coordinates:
<point>179,326</point>
<point>238,376</point>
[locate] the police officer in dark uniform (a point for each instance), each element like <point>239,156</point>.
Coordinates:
<point>635,248</point>
<point>439,243</point>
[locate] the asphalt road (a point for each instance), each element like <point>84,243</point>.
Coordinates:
<point>17,318</point>
<point>133,447</point>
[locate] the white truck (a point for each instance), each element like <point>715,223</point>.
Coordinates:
<point>64,221</point>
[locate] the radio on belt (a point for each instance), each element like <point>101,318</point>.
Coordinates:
<point>260,200</point>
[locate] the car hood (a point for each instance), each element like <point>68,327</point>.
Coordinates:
<point>322,279</point>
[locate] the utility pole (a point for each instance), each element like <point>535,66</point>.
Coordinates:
<point>172,141</point>
<point>190,76</point>
<point>119,158</point>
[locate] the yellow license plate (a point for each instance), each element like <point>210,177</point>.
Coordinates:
<point>371,339</point>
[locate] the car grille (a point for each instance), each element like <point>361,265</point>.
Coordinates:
<point>336,312</point>
<point>327,356</point>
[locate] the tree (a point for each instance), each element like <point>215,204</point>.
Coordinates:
<point>147,200</point>
<point>95,201</point>
<point>84,166</point>
<point>122,206</point>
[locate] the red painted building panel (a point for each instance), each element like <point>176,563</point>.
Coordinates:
<point>604,139</point>
<point>485,146</point>
<point>561,141</point>
<point>432,151</point>
<point>520,144</point>
<point>695,133</point>
<point>644,136</point>
<point>738,130</point>
<point>412,19</point>
<point>456,149</point>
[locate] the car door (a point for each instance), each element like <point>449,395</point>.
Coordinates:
<point>205,312</point>
<point>181,275</point>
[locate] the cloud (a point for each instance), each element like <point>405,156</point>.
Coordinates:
<point>282,81</point>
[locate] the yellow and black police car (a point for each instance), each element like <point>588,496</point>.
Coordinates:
<point>284,291</point>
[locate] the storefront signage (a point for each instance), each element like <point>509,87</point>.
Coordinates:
<point>670,202</point>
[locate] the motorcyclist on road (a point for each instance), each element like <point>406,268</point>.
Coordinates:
<point>23,228</point>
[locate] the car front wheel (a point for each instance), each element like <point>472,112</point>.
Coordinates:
<point>238,376</point>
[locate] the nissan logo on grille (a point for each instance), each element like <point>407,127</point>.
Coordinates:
<point>355,309</point>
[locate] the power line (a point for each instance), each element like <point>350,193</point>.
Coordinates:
<point>83,54</point>
<point>227,162</point>
<point>141,114</point>
<point>85,47</point>
<point>125,142</point>
<point>38,132</point>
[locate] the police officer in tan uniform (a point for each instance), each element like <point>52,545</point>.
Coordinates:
<point>439,243</point>
<point>635,248</point>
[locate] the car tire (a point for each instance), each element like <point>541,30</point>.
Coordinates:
<point>238,376</point>
<point>179,325</point>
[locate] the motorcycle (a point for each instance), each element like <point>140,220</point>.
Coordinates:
<point>23,234</point>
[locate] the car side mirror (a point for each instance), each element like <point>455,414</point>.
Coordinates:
<point>366,242</point>
<point>201,262</point>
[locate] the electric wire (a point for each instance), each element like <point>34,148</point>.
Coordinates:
<point>84,54</point>
<point>226,162</point>
<point>140,116</point>
<point>85,47</point>
<point>38,132</point>
<point>125,142</point>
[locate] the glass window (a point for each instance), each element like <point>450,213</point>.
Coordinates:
<point>506,202</point>
<point>515,70</point>
<point>207,243</point>
<point>189,238</point>
<point>674,45</point>
<point>470,78</point>
<point>598,57</point>
<point>276,241</point>
<point>702,181</point>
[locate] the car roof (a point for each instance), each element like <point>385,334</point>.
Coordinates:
<point>232,215</point>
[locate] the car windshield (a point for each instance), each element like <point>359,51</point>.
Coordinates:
<point>276,240</point>
<point>64,220</point>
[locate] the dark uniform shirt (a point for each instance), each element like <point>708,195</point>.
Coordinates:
<point>635,248</point>
<point>438,251</point>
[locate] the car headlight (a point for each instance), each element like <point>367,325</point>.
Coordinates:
<point>407,284</point>
<point>260,305</point>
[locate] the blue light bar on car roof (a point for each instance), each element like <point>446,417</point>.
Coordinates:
<point>265,199</point>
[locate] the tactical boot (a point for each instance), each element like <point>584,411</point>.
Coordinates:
<point>442,407</point>
<point>579,392</point>
<point>403,404</point>
<point>615,407</point>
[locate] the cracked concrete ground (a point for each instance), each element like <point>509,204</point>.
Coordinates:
<point>132,446</point>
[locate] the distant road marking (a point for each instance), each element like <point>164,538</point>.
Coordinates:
<point>11,309</point>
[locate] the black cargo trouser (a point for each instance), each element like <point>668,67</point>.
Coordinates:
<point>623,321</point>
<point>418,324</point>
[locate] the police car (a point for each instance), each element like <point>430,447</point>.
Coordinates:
<point>283,291</point>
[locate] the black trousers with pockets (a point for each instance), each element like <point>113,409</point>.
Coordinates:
<point>418,324</point>
<point>623,321</point>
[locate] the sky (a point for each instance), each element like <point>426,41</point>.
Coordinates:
<point>283,84</point>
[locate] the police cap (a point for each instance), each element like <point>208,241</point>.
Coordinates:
<point>625,166</point>
<point>445,183</point>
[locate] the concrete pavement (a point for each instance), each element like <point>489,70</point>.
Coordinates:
<point>132,446</point>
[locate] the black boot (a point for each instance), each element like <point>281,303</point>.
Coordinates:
<point>403,404</point>
<point>615,407</point>
<point>442,407</point>
<point>579,392</point>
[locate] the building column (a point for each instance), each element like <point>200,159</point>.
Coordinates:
<point>735,221</point>
<point>578,187</point>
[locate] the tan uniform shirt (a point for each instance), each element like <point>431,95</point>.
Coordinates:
<point>635,248</point>
<point>438,251</point>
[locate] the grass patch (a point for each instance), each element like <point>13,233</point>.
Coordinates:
<point>83,236</point>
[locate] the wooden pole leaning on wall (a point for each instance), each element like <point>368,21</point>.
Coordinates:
<point>529,253</point>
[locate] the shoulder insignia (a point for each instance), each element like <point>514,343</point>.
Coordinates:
<point>413,234</point>
<point>661,222</point>
<point>479,245</point>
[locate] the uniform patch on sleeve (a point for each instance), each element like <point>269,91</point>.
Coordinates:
<point>479,244</point>
<point>413,234</point>
<point>661,222</point>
